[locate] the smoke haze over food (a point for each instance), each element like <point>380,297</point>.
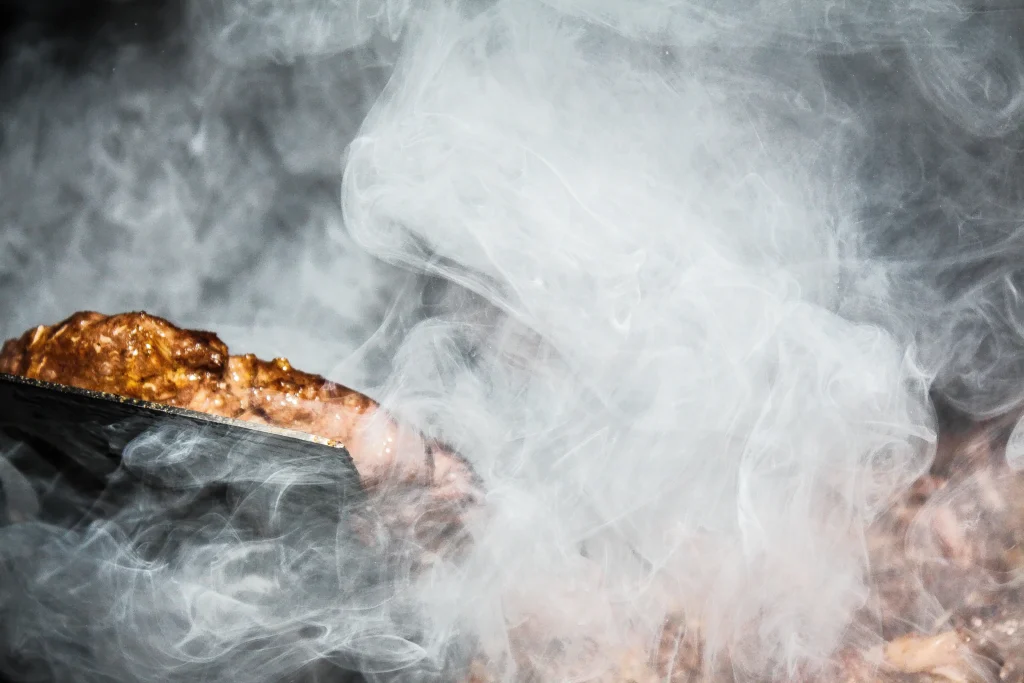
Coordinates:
<point>677,278</point>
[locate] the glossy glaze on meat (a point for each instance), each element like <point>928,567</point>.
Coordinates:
<point>141,356</point>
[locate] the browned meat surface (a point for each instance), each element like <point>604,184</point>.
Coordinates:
<point>145,357</point>
<point>946,559</point>
<point>947,598</point>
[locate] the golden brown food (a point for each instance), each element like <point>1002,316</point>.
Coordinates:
<point>955,535</point>
<point>141,356</point>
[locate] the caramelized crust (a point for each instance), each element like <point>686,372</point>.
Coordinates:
<point>141,356</point>
<point>134,355</point>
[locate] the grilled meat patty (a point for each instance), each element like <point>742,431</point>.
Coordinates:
<point>141,356</point>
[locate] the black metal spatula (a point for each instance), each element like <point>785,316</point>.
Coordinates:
<point>83,434</point>
<point>66,461</point>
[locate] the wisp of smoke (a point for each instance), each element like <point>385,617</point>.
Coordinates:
<point>704,417</point>
<point>676,277</point>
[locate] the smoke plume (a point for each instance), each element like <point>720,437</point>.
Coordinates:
<point>678,278</point>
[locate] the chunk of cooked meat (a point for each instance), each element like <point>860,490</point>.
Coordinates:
<point>956,535</point>
<point>141,356</point>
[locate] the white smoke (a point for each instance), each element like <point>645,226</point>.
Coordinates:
<point>700,283</point>
<point>685,273</point>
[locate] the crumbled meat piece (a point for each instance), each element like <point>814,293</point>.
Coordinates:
<point>141,356</point>
<point>942,655</point>
<point>947,556</point>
